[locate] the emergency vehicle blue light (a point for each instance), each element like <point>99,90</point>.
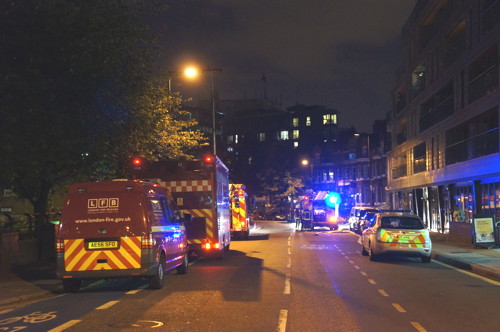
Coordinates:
<point>332,199</point>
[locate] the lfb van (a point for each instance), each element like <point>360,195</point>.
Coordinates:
<point>119,229</point>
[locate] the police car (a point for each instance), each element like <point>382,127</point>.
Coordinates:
<point>396,233</point>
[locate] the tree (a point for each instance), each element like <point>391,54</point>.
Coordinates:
<point>79,95</point>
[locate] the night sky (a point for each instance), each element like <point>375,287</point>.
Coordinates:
<point>342,54</point>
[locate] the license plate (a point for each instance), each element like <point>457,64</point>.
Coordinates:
<point>403,245</point>
<point>103,245</point>
<point>405,237</point>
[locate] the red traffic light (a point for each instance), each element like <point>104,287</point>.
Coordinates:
<point>137,163</point>
<point>208,159</point>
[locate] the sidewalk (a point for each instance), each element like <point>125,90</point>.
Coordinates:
<point>38,282</point>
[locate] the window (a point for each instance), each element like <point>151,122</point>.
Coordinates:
<point>295,134</point>
<point>418,80</point>
<point>283,135</point>
<point>230,139</point>
<point>483,75</point>
<point>473,138</point>
<point>262,137</point>
<point>454,44</point>
<point>398,169</point>
<point>308,121</point>
<point>437,108</point>
<point>236,139</point>
<point>295,122</point>
<point>419,159</point>
<point>295,145</point>
<point>329,118</point>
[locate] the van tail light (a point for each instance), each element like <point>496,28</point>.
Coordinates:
<point>59,245</point>
<point>209,246</point>
<point>243,224</point>
<point>147,241</point>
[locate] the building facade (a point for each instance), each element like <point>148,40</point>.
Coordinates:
<point>445,162</point>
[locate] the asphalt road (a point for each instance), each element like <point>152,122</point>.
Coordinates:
<point>279,280</point>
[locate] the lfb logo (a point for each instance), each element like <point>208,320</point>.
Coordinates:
<point>102,203</point>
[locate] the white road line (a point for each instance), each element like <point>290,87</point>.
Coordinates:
<point>363,273</point>
<point>398,307</point>
<point>282,320</point>
<point>382,292</point>
<point>287,284</point>
<point>418,327</point>
<point>107,305</point>
<point>356,267</point>
<point>65,326</point>
<point>371,281</point>
<point>491,281</point>
<point>289,251</point>
<point>289,264</point>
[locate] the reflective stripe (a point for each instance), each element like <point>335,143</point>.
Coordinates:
<point>127,256</point>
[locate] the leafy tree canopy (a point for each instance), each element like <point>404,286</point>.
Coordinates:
<point>79,96</point>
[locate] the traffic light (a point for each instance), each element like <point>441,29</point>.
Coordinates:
<point>208,159</point>
<point>137,164</point>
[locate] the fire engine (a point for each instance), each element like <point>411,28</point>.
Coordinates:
<point>201,191</point>
<point>319,210</point>
<point>240,227</point>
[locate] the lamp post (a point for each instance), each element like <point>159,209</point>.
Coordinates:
<point>192,72</point>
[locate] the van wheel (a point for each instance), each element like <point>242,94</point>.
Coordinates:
<point>426,259</point>
<point>183,268</point>
<point>71,285</point>
<point>156,282</point>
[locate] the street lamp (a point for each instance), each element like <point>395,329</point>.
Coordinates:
<point>193,72</point>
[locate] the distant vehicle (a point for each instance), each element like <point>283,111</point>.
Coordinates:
<point>240,218</point>
<point>396,233</point>
<point>119,229</point>
<point>358,212</point>
<point>365,217</point>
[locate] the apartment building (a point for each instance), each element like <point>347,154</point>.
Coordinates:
<point>445,160</point>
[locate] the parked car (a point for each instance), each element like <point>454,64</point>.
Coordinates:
<point>364,220</point>
<point>396,233</point>
<point>358,212</point>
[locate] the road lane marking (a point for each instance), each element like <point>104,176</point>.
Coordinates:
<point>356,267</point>
<point>107,305</point>
<point>371,281</point>
<point>382,292</point>
<point>491,281</point>
<point>282,320</point>
<point>65,326</point>
<point>133,291</point>
<point>363,273</point>
<point>287,284</point>
<point>398,307</point>
<point>350,261</point>
<point>289,264</point>
<point>418,327</point>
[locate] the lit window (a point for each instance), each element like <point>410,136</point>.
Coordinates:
<point>295,144</point>
<point>230,139</point>
<point>329,118</point>
<point>283,135</point>
<point>236,139</point>
<point>295,134</point>
<point>262,137</point>
<point>308,121</point>
<point>295,122</point>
